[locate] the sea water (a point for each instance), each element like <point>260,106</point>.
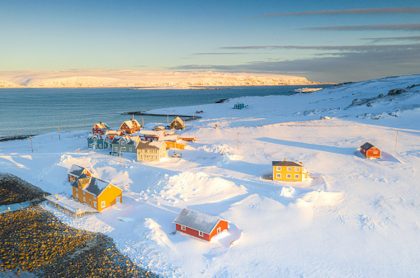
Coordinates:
<point>36,111</point>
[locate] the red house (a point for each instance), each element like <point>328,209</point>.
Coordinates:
<point>370,151</point>
<point>100,128</point>
<point>200,225</point>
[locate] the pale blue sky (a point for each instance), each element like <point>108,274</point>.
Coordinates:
<point>256,36</point>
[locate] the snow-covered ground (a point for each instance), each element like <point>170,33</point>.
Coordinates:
<point>354,218</point>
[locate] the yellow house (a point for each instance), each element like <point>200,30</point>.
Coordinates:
<point>76,171</point>
<point>95,192</point>
<point>151,151</point>
<point>289,171</point>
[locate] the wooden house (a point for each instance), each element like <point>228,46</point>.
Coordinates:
<point>98,142</point>
<point>200,225</point>
<point>151,151</point>
<point>124,144</point>
<point>370,151</point>
<point>289,171</point>
<point>151,135</point>
<point>130,126</point>
<point>177,123</point>
<point>172,142</point>
<point>96,193</point>
<point>76,171</point>
<point>99,128</point>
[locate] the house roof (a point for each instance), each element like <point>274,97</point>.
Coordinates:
<point>286,163</point>
<point>366,146</point>
<point>197,220</point>
<point>151,133</point>
<point>128,140</point>
<point>96,186</point>
<point>153,145</point>
<point>177,119</point>
<point>100,125</point>
<point>76,170</point>
<point>131,123</point>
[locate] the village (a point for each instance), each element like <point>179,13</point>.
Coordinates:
<point>91,194</point>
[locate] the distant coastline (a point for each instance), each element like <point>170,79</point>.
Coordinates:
<point>145,80</point>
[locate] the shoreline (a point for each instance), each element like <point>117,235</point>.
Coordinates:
<point>35,241</point>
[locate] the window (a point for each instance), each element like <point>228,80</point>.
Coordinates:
<point>297,169</point>
<point>288,176</point>
<point>278,168</point>
<point>296,176</point>
<point>289,169</point>
<point>278,176</point>
<point>183,228</point>
<point>103,204</point>
<point>219,230</point>
<point>94,204</point>
<point>200,234</point>
<point>84,198</point>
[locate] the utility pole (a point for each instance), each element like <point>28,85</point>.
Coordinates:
<point>32,147</point>
<point>396,141</point>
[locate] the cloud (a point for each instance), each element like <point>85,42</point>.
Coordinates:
<point>346,66</point>
<point>218,53</point>
<point>319,47</point>
<point>402,10</point>
<point>368,27</point>
<point>387,39</point>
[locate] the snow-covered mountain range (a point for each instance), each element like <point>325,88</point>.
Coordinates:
<point>143,79</point>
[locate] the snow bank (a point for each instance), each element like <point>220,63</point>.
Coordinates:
<point>189,188</point>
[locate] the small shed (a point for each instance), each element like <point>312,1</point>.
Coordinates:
<point>100,128</point>
<point>200,225</point>
<point>130,126</point>
<point>76,171</point>
<point>239,106</point>
<point>177,123</point>
<point>370,151</point>
<point>151,151</point>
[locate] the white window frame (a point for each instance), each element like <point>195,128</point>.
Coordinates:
<point>278,175</point>
<point>103,204</point>
<point>200,234</point>
<point>183,228</point>
<point>278,168</point>
<point>296,169</point>
<point>289,169</point>
<point>296,176</point>
<point>289,176</point>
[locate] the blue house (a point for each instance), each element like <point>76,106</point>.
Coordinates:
<point>98,142</point>
<point>124,144</point>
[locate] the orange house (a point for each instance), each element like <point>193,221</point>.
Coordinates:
<point>289,171</point>
<point>173,144</point>
<point>130,126</point>
<point>76,171</point>
<point>95,192</point>
<point>370,151</point>
<point>200,225</point>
